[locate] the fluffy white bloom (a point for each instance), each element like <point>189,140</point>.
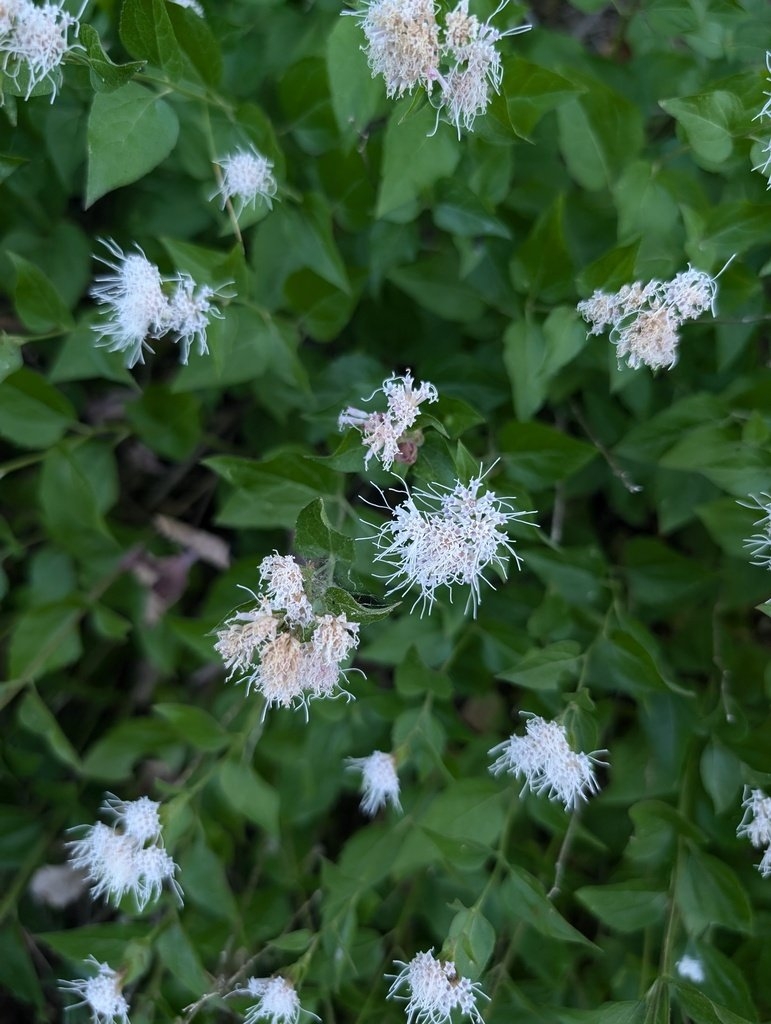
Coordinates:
<point>127,858</point>
<point>247,176</point>
<point>447,536</point>
<point>191,5</point>
<point>34,41</point>
<point>380,783</point>
<point>281,648</point>
<point>101,993</point>
<point>759,544</point>
<point>277,1001</point>
<point>402,42</point>
<point>548,764</point>
<point>765,167</point>
<point>140,304</point>
<point>756,821</point>
<point>765,863</point>
<point>644,318</point>
<point>690,968</point>
<point>384,433</point>
<point>435,990</point>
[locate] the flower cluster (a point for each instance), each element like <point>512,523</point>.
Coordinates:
<point>756,825</point>
<point>409,48</point>
<point>277,1001</point>
<point>644,318</point>
<point>441,537</point>
<point>759,544</point>
<point>127,857</point>
<point>435,990</point>
<point>101,994</point>
<point>765,167</point>
<point>386,434</point>
<point>281,647</point>
<point>547,762</point>
<point>141,304</point>
<point>380,783</point>
<point>247,176</point>
<point>34,41</point>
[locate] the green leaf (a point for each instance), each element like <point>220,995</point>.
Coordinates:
<point>708,893</point>
<point>472,940</point>
<point>17,975</point>
<point>45,639</point>
<point>709,121</point>
<point>598,134</point>
<point>413,160</point>
<point>703,1010</point>
<point>293,942</point>
<point>130,131</point>
<point>532,91</point>
<point>524,898</point>
<point>624,907</point>
<point>177,953</point>
<point>539,456</point>
<point>249,795</point>
<point>36,717</point>
<point>356,95</point>
<point>36,300</point>
<point>113,756</point>
<point>542,267</point>
<point>415,679</point>
<point>546,668</point>
<point>10,355</point>
<point>721,775</point>
<point>108,74</point>
<point>107,942</point>
<point>193,725</point>
<point>168,424</point>
<point>205,881</point>
<point>535,353</point>
<point>341,602</point>
<point>315,537</point>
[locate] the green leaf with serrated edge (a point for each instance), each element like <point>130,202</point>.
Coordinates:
<point>193,725</point>
<point>340,602</point>
<point>315,537</point>
<point>107,74</point>
<point>37,718</point>
<point>709,121</point>
<point>130,131</point>
<point>249,795</point>
<point>546,668</point>
<point>624,907</point>
<point>36,300</point>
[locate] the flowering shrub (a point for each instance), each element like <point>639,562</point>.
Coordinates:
<point>385,460</point>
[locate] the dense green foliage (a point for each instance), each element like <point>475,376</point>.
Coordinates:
<point>620,148</point>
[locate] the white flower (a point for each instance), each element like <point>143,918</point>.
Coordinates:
<point>383,433</point>
<point>191,5</point>
<point>756,821</point>
<point>285,588</point>
<point>101,993</point>
<point>189,311</point>
<point>435,990</point>
<point>380,783</point>
<point>765,863</point>
<point>547,763</point>
<point>644,318</point>
<point>245,634</point>
<point>138,306</point>
<point>759,544</point>
<point>127,858</point>
<point>277,1001</point>
<point>247,176</point>
<point>35,40</point>
<point>765,167</point>
<point>402,42</point>
<point>447,536</point>
<point>690,968</point>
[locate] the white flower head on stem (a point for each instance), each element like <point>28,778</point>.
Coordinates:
<point>756,821</point>
<point>138,819</point>
<point>759,544</point>
<point>245,634</point>
<point>384,433</point>
<point>277,1001</point>
<point>247,176</point>
<point>284,585</point>
<point>447,536</point>
<point>402,43</point>
<point>101,993</point>
<point>690,968</point>
<point>547,763</point>
<point>35,39</point>
<point>765,111</point>
<point>189,311</point>
<point>434,990</point>
<point>380,783</point>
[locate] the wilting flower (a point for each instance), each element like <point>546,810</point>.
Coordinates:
<point>441,537</point>
<point>384,434</point>
<point>129,856</point>
<point>277,1001</point>
<point>380,783</point>
<point>644,318</point>
<point>247,176</point>
<point>435,989</point>
<point>759,544</point>
<point>101,993</point>
<point>548,764</point>
<point>141,304</point>
<point>281,648</point>
<point>690,968</point>
<point>34,41</point>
